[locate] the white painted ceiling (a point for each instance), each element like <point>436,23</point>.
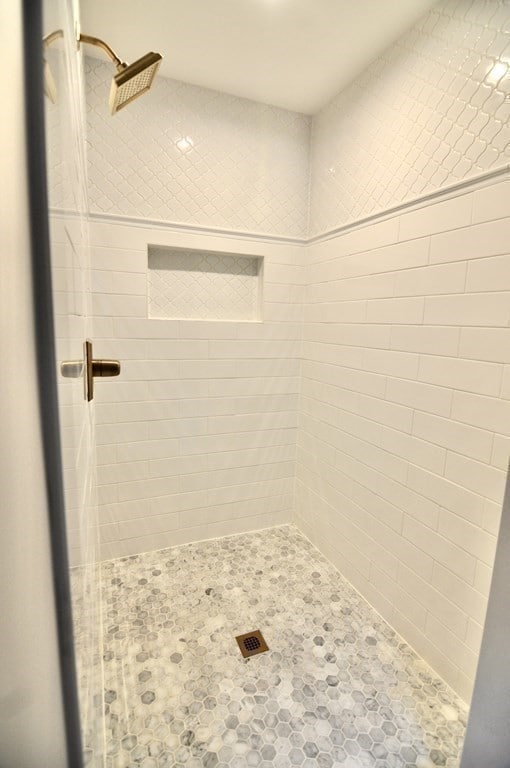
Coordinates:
<point>296,54</point>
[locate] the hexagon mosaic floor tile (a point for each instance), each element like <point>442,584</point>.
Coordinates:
<point>337,687</point>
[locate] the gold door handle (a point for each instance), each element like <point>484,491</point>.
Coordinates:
<point>105,368</point>
<point>97,368</point>
<point>74,369</point>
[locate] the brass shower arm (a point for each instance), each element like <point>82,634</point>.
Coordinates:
<point>130,81</point>
<point>89,40</point>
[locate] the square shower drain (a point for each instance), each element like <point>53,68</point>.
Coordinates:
<point>252,643</point>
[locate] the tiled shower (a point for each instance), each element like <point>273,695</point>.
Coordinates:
<point>311,314</point>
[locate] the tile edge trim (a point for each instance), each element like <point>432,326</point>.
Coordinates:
<point>444,193</point>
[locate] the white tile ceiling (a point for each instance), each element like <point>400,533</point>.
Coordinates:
<point>295,54</point>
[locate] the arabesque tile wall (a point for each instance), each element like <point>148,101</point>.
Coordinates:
<point>432,110</point>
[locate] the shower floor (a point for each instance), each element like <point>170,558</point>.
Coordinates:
<point>337,687</point>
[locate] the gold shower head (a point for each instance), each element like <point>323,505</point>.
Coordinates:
<point>133,80</point>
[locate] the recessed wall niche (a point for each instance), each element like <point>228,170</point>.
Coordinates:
<point>203,285</point>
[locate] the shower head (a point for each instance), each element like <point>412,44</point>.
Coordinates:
<point>132,80</point>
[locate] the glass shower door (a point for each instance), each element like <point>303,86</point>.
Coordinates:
<point>69,242</point>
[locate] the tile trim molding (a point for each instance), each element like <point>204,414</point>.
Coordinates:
<point>444,193</point>
<point>173,226</point>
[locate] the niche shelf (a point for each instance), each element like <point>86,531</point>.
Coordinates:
<point>203,285</point>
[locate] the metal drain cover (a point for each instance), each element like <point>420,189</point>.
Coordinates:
<point>252,643</point>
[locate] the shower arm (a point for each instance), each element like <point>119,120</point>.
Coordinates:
<point>89,40</point>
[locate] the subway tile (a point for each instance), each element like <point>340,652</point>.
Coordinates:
<point>492,309</point>
<point>175,428</point>
<point>438,217</point>
<point>460,592</point>
<point>452,645</point>
<point>446,494</point>
<point>430,340</point>
<point>414,449</point>
<point>490,344</point>
<point>483,479</point>
<point>500,452</point>
<point>477,543</point>
<point>342,334</point>
<point>485,275</point>
<point>467,375</point>
<point>149,370</point>
<point>113,282</point>
<point>492,202</point>
<point>177,389</point>
<point>117,259</point>
<point>335,312</point>
<point>431,280</point>
<point>474,242</point>
<point>146,489</point>
<point>483,577</point>
<point>391,414</point>
<point>249,387</point>
<point>398,256</point>
<point>485,412</point>
<point>396,311</point>
<point>216,443</point>
<point>148,526</point>
<point>249,422</point>
<point>147,449</point>
<point>465,439</point>
<point>434,601</point>
<point>182,349</point>
<point>142,328</point>
<point>403,365</point>
<point>366,287</point>
<point>492,515</point>
<point>121,432</point>
<point>440,548</point>
<point>236,369</point>
<point>148,410</point>
<point>415,394</point>
<point>203,329</point>
<point>113,305</point>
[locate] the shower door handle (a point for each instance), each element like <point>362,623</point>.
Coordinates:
<point>95,368</point>
<point>89,368</point>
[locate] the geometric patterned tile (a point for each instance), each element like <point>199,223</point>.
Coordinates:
<point>202,285</point>
<point>197,156</point>
<point>432,110</point>
<point>337,687</point>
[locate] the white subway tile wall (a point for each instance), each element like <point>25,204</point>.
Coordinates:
<point>432,110</point>
<point>405,417</point>
<point>197,437</point>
